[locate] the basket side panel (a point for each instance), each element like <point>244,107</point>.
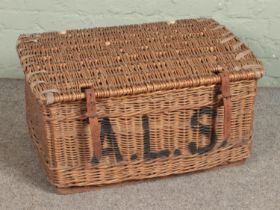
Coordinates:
<point>40,131</point>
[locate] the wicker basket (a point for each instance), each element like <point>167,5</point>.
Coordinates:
<point>112,104</point>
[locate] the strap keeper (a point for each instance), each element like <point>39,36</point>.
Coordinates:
<point>93,122</point>
<point>92,116</point>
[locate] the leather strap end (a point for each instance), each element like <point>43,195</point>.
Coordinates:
<point>225,89</point>
<point>94,129</point>
<point>93,122</point>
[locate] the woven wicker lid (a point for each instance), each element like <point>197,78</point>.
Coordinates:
<point>133,59</point>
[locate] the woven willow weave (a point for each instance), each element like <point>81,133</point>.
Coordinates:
<point>159,108</point>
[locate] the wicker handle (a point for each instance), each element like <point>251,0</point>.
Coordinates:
<point>93,122</point>
<point>225,89</point>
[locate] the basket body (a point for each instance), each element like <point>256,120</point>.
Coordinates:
<point>166,123</point>
<point>147,129</point>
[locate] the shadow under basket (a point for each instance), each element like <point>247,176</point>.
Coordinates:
<point>114,104</point>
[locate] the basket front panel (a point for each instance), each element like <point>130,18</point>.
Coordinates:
<point>149,132</point>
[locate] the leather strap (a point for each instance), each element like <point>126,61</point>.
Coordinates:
<point>225,89</point>
<point>93,122</point>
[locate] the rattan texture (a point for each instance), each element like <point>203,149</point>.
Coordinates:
<point>155,83</point>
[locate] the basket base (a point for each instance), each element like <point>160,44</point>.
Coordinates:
<point>71,190</point>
